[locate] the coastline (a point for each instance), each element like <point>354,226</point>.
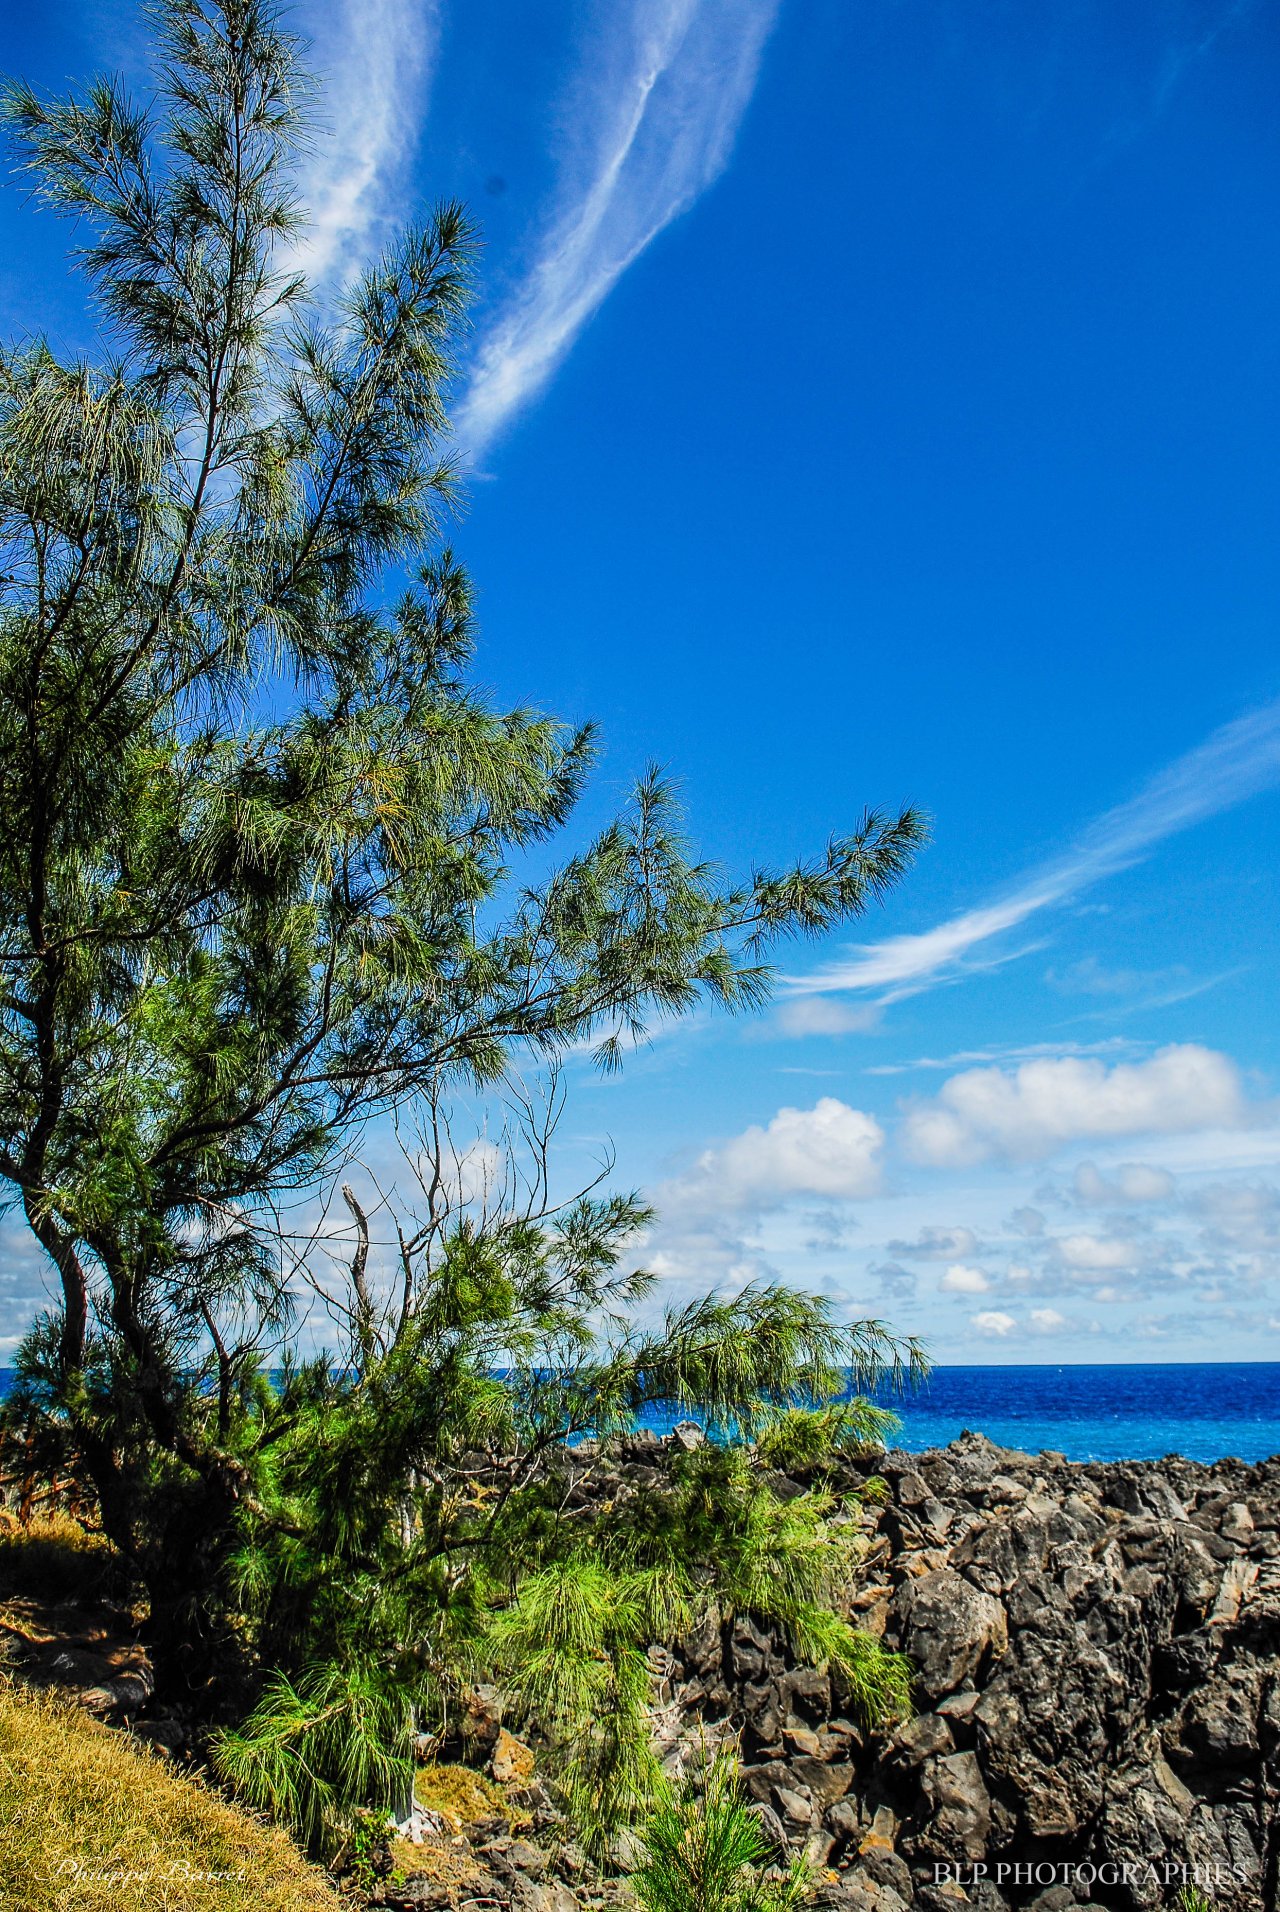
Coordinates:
<point>1097,1710</point>
<point>1203,1411</point>
<point>1105,1412</point>
<point>1097,1700</point>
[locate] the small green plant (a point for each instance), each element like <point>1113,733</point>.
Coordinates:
<point>368,1851</point>
<point>569,1648</point>
<point>707,1851</point>
<point>1192,1899</point>
<point>805,1437</point>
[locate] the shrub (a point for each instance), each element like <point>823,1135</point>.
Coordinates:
<point>804,1438</point>
<point>706,1851</point>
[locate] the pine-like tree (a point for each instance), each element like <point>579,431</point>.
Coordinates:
<point>254,871</point>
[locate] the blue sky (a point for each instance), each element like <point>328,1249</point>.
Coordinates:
<point>869,402</point>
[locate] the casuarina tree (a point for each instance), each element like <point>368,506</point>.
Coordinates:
<point>257,892</point>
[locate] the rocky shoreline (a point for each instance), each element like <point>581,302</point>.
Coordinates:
<point>1098,1691</point>
<point>1098,1696</point>
<point>1097,1700</point>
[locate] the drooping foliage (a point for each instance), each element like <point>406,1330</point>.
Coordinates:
<point>257,892</point>
<point>427,1525</point>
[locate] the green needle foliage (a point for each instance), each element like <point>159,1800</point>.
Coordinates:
<point>712,1536</point>
<point>265,880</point>
<point>806,1438</point>
<point>314,1754</point>
<point>706,1851</point>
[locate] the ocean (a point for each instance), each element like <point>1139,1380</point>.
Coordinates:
<point>1204,1412</point>
<point>1106,1413</point>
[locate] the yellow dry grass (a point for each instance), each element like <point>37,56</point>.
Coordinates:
<point>91,1822</point>
<point>53,1556</point>
<point>462,1797</point>
<point>459,1794</point>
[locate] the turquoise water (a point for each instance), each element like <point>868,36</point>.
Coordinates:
<point>1205,1412</point>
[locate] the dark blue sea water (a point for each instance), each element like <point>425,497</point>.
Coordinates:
<point>1092,1413</point>
<point>1103,1413</point>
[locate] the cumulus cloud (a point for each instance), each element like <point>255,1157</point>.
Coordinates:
<point>1047,1321</point>
<point>669,81</point>
<point>1028,1113</point>
<point>961,1279</point>
<point>716,1221</point>
<point>1133,1183</point>
<point>829,1150</point>
<point>1095,1254</point>
<point>992,1324</point>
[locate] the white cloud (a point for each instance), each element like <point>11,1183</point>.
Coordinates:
<point>820,1016</point>
<point>1241,1219</point>
<point>960,1279</point>
<point>669,83</point>
<point>1027,1113</point>
<point>475,1174</point>
<point>829,1150</point>
<point>376,57</point>
<point>1234,763</point>
<point>1132,1183</point>
<point>992,1324</point>
<point>1015,1052</point>
<point>1094,1253</point>
<point>1089,977</point>
<point>1047,1321</point>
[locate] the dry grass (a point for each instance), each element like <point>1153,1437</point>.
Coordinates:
<point>463,1798</point>
<point>56,1558</point>
<point>90,1822</point>
<point>460,1795</point>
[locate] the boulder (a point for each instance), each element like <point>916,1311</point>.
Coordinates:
<point>481,1722</point>
<point>959,1807</point>
<point>949,1628</point>
<point>513,1762</point>
<point>795,1807</point>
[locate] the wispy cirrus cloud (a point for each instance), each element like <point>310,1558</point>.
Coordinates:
<point>1011,1052</point>
<point>669,83</point>
<point>1238,761</point>
<point>376,59</point>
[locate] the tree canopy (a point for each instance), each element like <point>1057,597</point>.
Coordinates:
<point>259,875</point>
